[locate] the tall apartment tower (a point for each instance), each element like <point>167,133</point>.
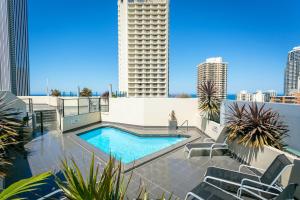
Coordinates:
<point>144,47</point>
<point>292,71</point>
<point>214,70</point>
<point>14,55</point>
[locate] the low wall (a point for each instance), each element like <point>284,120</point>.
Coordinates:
<point>151,111</point>
<point>210,128</point>
<point>49,100</point>
<point>76,121</point>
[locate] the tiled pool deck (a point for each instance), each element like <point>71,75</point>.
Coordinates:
<point>170,173</point>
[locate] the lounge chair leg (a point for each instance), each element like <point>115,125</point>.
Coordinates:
<point>193,195</point>
<point>187,196</point>
<point>189,154</point>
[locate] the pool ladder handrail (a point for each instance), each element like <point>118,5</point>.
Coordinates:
<point>187,125</point>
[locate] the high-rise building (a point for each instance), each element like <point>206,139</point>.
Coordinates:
<point>214,70</point>
<point>298,88</point>
<point>14,53</point>
<point>144,47</point>
<point>292,71</point>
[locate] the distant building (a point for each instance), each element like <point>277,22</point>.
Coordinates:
<point>214,70</point>
<point>268,94</point>
<point>244,96</point>
<point>292,71</point>
<point>258,96</point>
<point>143,47</point>
<point>294,98</point>
<point>14,53</point>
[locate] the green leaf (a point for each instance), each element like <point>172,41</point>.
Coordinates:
<point>25,185</point>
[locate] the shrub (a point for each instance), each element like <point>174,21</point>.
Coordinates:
<point>183,95</point>
<point>86,92</point>
<point>55,93</point>
<point>209,102</point>
<point>256,126</point>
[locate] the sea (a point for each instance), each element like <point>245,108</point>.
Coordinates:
<point>70,94</point>
<point>229,96</point>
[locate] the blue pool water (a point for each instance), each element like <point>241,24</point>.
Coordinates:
<point>125,146</point>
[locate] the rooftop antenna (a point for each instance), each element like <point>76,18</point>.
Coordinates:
<point>110,90</point>
<point>78,91</point>
<point>47,87</point>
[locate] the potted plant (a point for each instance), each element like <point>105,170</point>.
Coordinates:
<point>255,126</point>
<point>172,121</point>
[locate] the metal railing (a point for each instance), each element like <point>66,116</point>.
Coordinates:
<point>187,125</point>
<point>82,105</point>
<point>29,105</point>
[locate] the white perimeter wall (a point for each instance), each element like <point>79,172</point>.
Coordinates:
<point>151,111</point>
<point>49,100</point>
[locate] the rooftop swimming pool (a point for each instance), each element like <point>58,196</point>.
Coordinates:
<point>126,146</point>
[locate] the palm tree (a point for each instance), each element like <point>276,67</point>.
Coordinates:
<point>183,95</point>
<point>86,92</point>
<point>105,94</point>
<point>55,93</point>
<point>109,185</point>
<point>209,102</point>
<point>11,128</point>
<point>256,126</point>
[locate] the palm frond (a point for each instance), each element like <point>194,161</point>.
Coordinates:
<point>209,102</point>
<point>107,186</point>
<point>11,128</point>
<point>25,185</point>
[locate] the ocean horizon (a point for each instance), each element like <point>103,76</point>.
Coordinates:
<point>74,94</point>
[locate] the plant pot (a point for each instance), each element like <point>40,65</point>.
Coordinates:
<point>172,124</point>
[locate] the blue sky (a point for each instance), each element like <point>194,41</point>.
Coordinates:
<point>74,42</point>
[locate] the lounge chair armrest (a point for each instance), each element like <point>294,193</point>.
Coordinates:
<point>206,178</point>
<point>208,140</point>
<point>251,167</point>
<point>215,145</point>
<point>259,186</point>
<point>245,190</point>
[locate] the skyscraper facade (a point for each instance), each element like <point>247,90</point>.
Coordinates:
<point>292,71</point>
<point>143,47</point>
<point>14,53</point>
<point>214,70</point>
